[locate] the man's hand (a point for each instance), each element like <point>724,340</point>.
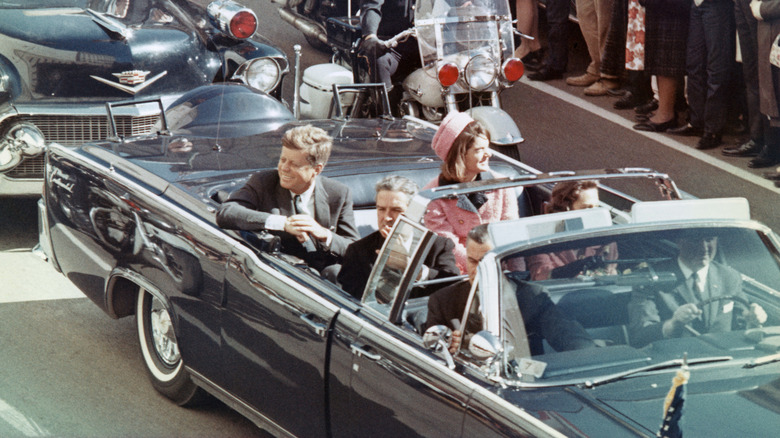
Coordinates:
<point>302,226</point>
<point>686,313</point>
<point>455,341</point>
<point>683,315</point>
<point>398,257</point>
<point>755,315</point>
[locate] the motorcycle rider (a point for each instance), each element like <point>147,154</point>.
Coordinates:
<point>381,20</point>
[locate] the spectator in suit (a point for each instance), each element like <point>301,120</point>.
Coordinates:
<point>710,65</point>
<point>566,196</point>
<point>758,125</point>
<point>463,145</point>
<point>312,214</point>
<point>393,195</point>
<point>554,66</point>
<point>540,315</point>
<point>655,315</point>
<point>768,27</point>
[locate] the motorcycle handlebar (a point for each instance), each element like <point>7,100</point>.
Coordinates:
<point>401,37</point>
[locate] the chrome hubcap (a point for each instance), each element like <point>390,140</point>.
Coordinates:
<point>163,336</point>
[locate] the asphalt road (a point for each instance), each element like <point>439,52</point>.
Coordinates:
<point>67,369</point>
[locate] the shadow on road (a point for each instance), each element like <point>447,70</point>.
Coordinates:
<point>18,224</point>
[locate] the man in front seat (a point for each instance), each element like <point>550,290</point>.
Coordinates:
<point>541,316</point>
<point>657,315</point>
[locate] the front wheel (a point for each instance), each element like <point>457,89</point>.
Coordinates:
<point>160,351</point>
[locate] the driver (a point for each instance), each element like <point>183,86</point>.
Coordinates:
<point>700,279</point>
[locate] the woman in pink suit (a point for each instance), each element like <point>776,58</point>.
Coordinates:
<point>571,195</point>
<point>463,145</point>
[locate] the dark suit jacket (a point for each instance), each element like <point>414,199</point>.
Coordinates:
<point>361,256</point>
<point>250,206</point>
<point>540,315</point>
<point>648,310</point>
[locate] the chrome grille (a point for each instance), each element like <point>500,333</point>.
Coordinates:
<point>30,167</point>
<point>75,130</point>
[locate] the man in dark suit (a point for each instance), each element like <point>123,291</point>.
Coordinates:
<point>540,315</point>
<point>312,214</point>
<point>661,314</point>
<point>393,195</point>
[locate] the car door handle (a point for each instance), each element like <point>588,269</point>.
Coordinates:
<point>318,328</point>
<point>360,351</point>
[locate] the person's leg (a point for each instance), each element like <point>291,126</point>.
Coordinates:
<point>719,34</point>
<point>696,61</point>
<point>527,23</point>
<point>667,90</point>
<point>588,20</point>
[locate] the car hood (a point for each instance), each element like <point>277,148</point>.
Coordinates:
<point>723,400</point>
<point>69,53</point>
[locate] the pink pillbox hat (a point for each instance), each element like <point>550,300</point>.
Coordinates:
<point>451,127</point>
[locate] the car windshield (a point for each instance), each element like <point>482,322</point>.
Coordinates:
<point>597,306</point>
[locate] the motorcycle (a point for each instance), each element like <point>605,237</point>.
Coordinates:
<point>311,16</point>
<point>467,55</point>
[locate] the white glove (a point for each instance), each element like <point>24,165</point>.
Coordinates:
<point>755,7</point>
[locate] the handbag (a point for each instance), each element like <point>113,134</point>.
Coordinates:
<point>774,52</point>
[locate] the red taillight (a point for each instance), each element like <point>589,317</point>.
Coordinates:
<point>513,69</point>
<point>448,74</point>
<point>243,24</point>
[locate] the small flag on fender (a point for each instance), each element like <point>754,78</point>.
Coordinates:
<point>673,404</point>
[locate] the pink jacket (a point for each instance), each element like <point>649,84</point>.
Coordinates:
<point>454,218</point>
<point>541,265</point>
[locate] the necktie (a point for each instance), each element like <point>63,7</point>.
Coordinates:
<point>298,204</point>
<point>697,286</point>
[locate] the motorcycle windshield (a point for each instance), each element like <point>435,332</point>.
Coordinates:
<point>455,31</point>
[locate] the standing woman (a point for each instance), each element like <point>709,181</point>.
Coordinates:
<point>463,145</point>
<point>666,42</point>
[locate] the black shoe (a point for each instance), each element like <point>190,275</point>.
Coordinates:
<point>749,149</point>
<point>545,74</point>
<point>533,60</point>
<point>762,161</point>
<point>656,127</point>
<point>628,101</point>
<point>772,176</point>
<point>647,108</point>
<point>709,141</point>
<point>687,130</point>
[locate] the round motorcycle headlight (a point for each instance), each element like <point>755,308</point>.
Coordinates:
<point>262,74</point>
<point>513,69</point>
<point>20,140</point>
<point>448,74</point>
<point>480,72</point>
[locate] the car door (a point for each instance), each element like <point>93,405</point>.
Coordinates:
<point>275,335</point>
<point>383,381</point>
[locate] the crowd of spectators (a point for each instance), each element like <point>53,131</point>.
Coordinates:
<point>715,64</point>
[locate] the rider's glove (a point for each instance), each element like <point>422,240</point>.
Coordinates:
<point>372,44</point>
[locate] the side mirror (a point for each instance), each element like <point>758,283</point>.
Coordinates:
<point>484,346</point>
<point>437,339</point>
